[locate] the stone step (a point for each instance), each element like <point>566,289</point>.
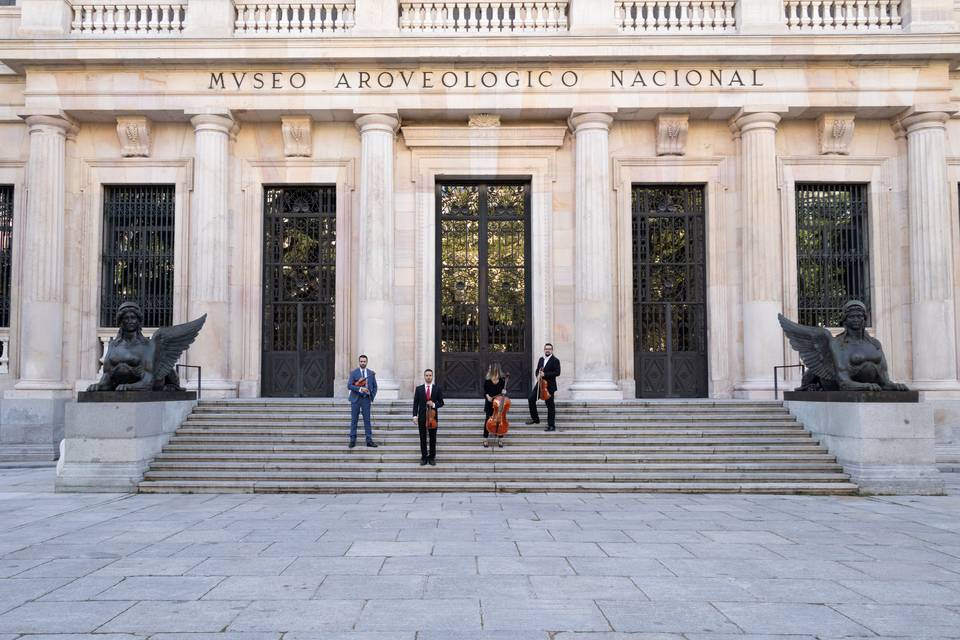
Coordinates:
<point>281,434</point>
<point>475,465</point>
<point>249,486</point>
<point>612,442</point>
<point>501,456</point>
<point>344,421</point>
<point>416,473</point>
<point>800,446</point>
<point>478,408</point>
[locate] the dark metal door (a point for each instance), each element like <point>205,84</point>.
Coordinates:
<point>483,284</point>
<point>299,290</point>
<point>669,291</point>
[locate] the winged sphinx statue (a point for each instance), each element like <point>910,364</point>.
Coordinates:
<point>850,361</point>
<point>134,362</point>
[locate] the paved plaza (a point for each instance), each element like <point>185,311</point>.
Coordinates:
<point>460,566</point>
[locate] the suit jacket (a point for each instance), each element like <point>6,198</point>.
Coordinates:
<point>420,401</point>
<point>550,372</point>
<point>355,394</point>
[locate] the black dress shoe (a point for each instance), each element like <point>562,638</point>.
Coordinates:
<point>352,444</point>
<point>550,429</point>
<point>423,462</point>
<point>532,422</point>
<point>372,444</point>
<point>432,462</point>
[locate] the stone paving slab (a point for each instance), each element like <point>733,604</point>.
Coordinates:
<point>475,567</point>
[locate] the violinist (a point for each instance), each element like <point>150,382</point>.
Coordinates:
<point>548,368</point>
<point>493,386</point>
<point>426,400</point>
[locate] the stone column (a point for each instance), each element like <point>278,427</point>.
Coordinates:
<point>931,254</point>
<point>42,295</point>
<point>595,308</point>
<point>374,274</point>
<point>210,251</point>
<point>762,251</point>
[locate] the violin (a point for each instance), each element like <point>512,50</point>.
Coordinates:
<point>431,418</point>
<point>544,391</point>
<point>362,382</point>
<point>497,423</point>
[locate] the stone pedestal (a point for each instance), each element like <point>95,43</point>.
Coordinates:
<point>109,445</point>
<point>932,315</point>
<point>887,448</point>
<point>762,251</point>
<point>210,252</point>
<point>375,318</point>
<point>594,308</point>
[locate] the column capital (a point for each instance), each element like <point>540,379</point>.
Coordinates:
<point>920,117</point>
<point>55,123</point>
<point>590,120</point>
<point>386,122</point>
<point>219,122</point>
<point>747,120</point>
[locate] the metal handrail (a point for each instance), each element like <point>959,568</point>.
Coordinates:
<point>776,388</point>
<point>199,375</point>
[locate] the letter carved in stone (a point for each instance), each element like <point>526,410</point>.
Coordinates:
<point>835,133</point>
<point>297,136</point>
<point>672,134</point>
<point>134,134</point>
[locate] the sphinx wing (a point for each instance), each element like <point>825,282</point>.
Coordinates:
<point>813,345</point>
<point>171,342</point>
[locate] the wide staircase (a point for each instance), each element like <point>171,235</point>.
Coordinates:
<point>269,446</point>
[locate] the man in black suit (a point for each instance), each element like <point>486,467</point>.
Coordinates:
<point>548,367</point>
<point>426,395</point>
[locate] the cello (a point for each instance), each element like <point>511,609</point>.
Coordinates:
<point>497,423</point>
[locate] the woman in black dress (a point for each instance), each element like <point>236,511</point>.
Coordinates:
<point>492,387</point>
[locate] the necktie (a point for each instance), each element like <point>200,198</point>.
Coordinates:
<point>428,393</point>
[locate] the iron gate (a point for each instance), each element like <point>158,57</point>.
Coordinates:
<point>299,290</point>
<point>483,284</point>
<point>669,291</point>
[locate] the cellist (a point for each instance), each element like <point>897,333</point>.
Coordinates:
<point>492,387</point>
<point>427,398</point>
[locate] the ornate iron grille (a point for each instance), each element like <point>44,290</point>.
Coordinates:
<point>483,284</point>
<point>833,250</point>
<point>138,248</point>
<point>669,291</point>
<point>299,290</point>
<point>6,251</point>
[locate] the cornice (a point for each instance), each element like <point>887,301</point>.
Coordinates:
<point>863,49</point>
<point>506,136</point>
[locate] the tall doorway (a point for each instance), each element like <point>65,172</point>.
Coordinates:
<point>669,291</point>
<point>483,284</point>
<point>299,290</point>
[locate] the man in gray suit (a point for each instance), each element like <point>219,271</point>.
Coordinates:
<point>363,390</point>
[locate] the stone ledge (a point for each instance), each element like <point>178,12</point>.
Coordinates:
<point>136,396</point>
<point>852,396</point>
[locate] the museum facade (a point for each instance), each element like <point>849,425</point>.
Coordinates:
<point>644,184</point>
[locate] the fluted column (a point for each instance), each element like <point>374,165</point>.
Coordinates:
<point>762,252</point>
<point>210,251</point>
<point>594,311</point>
<point>375,323</point>
<point>42,294</point>
<point>931,254</point>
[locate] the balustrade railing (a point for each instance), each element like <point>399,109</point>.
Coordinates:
<point>484,17</point>
<point>138,19</point>
<point>673,16</point>
<point>842,15</point>
<point>293,18</point>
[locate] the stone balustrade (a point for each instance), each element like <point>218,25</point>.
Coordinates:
<point>137,19</point>
<point>248,18</point>
<point>267,19</point>
<point>843,15</point>
<point>674,16</point>
<point>483,17</point>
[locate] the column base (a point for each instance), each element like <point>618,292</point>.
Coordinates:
<point>387,390</point>
<point>213,389</point>
<point>935,389</point>
<point>595,390</point>
<point>759,389</point>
